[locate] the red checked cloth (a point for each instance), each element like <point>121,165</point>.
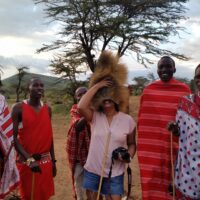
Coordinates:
<point>77,145</point>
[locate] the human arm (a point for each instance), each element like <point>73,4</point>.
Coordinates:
<point>130,152</point>
<point>81,123</point>
<point>84,104</point>
<point>52,152</point>
<point>53,159</point>
<point>26,157</point>
<point>131,143</point>
<point>78,122</point>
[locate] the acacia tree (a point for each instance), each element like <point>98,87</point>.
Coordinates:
<point>19,88</point>
<point>140,83</point>
<point>91,26</point>
<point>68,69</point>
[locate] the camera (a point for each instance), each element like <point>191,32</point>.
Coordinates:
<point>123,152</point>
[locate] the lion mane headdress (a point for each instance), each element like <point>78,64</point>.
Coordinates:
<point>108,67</point>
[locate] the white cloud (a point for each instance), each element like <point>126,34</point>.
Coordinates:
<point>35,65</point>
<point>24,29</point>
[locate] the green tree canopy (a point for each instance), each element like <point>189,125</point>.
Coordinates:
<point>91,26</point>
<point>140,83</point>
<point>19,88</point>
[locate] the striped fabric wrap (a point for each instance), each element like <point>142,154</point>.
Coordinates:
<point>10,176</point>
<point>158,107</point>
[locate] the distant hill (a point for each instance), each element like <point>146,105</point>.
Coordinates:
<point>50,82</point>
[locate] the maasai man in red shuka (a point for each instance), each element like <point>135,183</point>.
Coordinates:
<point>9,176</point>
<point>78,139</point>
<point>158,106</point>
<point>34,144</point>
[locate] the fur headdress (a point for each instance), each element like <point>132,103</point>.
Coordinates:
<point>108,66</point>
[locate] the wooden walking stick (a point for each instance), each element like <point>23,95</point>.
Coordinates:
<point>33,186</point>
<point>172,165</point>
<point>103,165</point>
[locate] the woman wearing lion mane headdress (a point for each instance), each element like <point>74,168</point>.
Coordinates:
<point>111,128</point>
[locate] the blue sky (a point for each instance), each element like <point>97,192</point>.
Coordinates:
<point>24,29</point>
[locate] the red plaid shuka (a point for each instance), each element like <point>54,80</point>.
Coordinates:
<point>77,143</point>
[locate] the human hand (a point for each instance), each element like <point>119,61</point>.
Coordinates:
<point>54,168</point>
<point>107,82</point>
<point>36,156</point>
<point>173,128</point>
<point>125,159</point>
<point>34,166</point>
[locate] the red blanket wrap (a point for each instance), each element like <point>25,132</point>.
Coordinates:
<point>157,108</point>
<point>36,137</point>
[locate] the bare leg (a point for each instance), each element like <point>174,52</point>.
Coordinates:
<point>92,195</point>
<point>113,197</point>
<point>78,182</point>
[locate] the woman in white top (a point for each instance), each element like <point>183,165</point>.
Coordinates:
<point>107,122</point>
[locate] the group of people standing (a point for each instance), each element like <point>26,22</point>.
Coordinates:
<point>168,137</point>
<point>168,127</point>
<point>169,166</point>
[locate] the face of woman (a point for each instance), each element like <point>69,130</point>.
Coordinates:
<point>108,104</point>
<point>197,78</point>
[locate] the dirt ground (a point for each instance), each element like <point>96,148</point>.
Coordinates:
<point>63,184</point>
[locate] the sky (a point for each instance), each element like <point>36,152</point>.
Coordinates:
<point>24,29</point>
